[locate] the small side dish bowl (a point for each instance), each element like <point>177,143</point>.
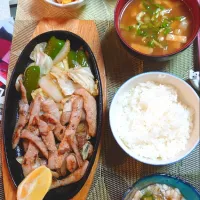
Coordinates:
<point>73,5</point>
<point>186,94</point>
<point>188,191</point>
<point>194,9</point>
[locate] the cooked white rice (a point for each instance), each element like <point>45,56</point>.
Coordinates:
<point>153,122</point>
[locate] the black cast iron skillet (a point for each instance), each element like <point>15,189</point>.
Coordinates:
<point>10,115</point>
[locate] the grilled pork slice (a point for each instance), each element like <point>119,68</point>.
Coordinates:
<point>71,162</point>
<point>65,116</point>
<point>61,158</point>
<point>49,118</point>
<point>30,156</point>
<point>35,109</point>
<point>23,115</point>
<point>73,124</point>
<point>26,134</point>
<point>43,126</point>
<point>33,129</point>
<point>31,160</point>
<point>25,144</point>
<point>64,146</point>
<point>50,107</point>
<point>72,178</point>
<point>53,159</point>
<point>67,110</point>
<point>90,109</point>
<point>58,129</point>
<point>74,145</point>
<point>49,141</point>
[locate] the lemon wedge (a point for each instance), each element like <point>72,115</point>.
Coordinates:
<point>35,185</point>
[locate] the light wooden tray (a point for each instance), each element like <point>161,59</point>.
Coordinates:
<point>88,31</point>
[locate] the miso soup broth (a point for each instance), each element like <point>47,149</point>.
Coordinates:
<point>156,27</point>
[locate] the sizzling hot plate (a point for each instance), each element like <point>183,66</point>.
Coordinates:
<point>11,113</point>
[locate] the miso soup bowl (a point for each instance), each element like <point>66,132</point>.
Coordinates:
<point>187,190</point>
<point>195,11</point>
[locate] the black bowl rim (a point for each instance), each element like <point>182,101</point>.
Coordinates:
<point>161,175</point>
<point>138,52</point>
<point>99,124</point>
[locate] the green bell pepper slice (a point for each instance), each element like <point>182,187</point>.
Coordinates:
<point>82,58</point>
<point>72,59</point>
<point>31,78</point>
<point>54,46</point>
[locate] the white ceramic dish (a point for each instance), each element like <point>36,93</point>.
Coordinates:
<point>187,95</point>
<point>73,5</point>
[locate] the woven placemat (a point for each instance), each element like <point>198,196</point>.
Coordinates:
<point>1,175</point>
<point>116,171</point>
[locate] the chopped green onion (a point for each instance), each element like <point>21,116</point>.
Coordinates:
<point>151,22</point>
<point>147,196</point>
<point>159,6</point>
<point>148,7</point>
<point>157,43</point>
<point>156,23</point>
<point>144,26</point>
<point>161,30</point>
<point>167,30</point>
<point>141,32</point>
<point>157,11</point>
<point>130,28</point>
<point>151,44</point>
<point>165,23</point>
<point>179,18</point>
<point>150,25</point>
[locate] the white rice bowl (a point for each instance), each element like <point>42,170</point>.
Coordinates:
<point>155,118</point>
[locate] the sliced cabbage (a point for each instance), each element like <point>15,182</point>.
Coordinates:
<point>84,77</point>
<point>20,159</point>
<point>42,59</point>
<point>39,91</point>
<point>87,150</point>
<point>17,85</point>
<point>39,47</point>
<point>63,65</point>
<point>67,85</point>
<point>50,88</point>
<point>63,53</point>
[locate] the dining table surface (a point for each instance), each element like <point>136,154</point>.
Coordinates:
<point>116,171</point>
